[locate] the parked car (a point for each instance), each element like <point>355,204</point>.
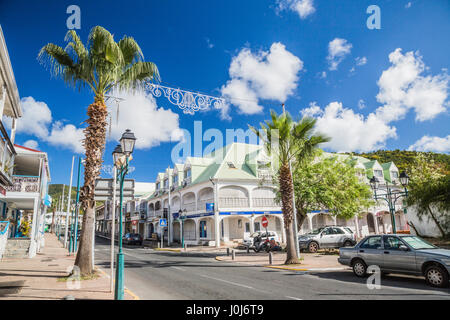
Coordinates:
<point>327,237</point>
<point>248,241</point>
<point>395,253</point>
<point>132,238</point>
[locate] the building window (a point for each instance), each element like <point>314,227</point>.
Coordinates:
<point>188,173</point>
<point>247,227</point>
<point>378,173</point>
<point>239,223</point>
<point>394,174</point>
<point>166,183</point>
<point>257,226</point>
<point>175,179</point>
<point>157,186</point>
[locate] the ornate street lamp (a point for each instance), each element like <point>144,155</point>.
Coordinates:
<point>391,196</point>
<point>181,216</point>
<point>123,150</point>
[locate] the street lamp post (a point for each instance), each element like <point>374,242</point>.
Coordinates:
<point>122,151</point>
<point>182,215</point>
<point>391,196</point>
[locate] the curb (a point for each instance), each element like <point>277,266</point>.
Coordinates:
<point>168,249</point>
<point>289,268</point>
<point>135,297</point>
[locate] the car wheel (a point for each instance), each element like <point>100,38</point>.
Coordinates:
<point>313,247</point>
<point>359,268</point>
<point>348,243</point>
<point>436,276</point>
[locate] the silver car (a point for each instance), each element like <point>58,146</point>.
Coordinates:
<point>405,254</point>
<point>327,237</point>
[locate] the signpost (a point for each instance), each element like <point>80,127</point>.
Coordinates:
<point>104,189</point>
<point>162,225</point>
<point>265,224</point>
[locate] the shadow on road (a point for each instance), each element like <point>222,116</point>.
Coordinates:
<point>387,282</point>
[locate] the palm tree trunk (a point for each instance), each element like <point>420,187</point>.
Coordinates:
<point>94,143</point>
<point>287,193</point>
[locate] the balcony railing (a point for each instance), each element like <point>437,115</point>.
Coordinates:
<point>201,205</point>
<point>233,202</point>
<point>7,154</point>
<point>189,207</point>
<point>264,202</point>
<point>264,174</point>
<point>28,184</point>
<point>159,213</point>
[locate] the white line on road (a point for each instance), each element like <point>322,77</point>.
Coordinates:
<point>178,268</point>
<point>233,283</point>
<point>294,298</point>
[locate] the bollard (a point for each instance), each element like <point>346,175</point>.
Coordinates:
<point>185,246</point>
<point>248,249</point>
<point>270,258</point>
<point>228,252</point>
<point>233,254</point>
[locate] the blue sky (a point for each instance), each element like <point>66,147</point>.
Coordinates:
<point>257,54</point>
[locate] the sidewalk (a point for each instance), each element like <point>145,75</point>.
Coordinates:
<point>37,278</point>
<point>321,261</point>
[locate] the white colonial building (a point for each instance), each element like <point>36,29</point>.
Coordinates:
<point>222,197</point>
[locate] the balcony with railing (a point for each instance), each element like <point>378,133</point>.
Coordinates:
<point>264,202</point>
<point>189,207</point>
<point>24,184</point>
<point>7,153</point>
<point>265,174</point>
<point>201,205</point>
<point>233,202</point>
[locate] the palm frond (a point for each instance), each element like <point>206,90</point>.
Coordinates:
<point>130,50</point>
<point>55,58</point>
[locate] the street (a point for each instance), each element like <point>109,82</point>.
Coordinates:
<point>154,274</point>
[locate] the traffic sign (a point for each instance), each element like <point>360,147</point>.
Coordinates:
<point>162,222</point>
<point>265,222</point>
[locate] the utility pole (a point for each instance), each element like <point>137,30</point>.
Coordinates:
<point>297,249</point>
<point>168,210</point>
<point>113,225</point>
<point>68,203</point>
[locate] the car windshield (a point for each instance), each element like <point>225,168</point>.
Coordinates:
<point>418,243</point>
<point>317,231</point>
<point>349,230</point>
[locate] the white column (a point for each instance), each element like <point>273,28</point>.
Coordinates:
<point>358,234</point>
<point>2,101</point>
<point>310,217</point>
<point>375,220</point>
<point>34,230</point>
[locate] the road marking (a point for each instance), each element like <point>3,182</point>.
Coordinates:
<point>294,298</point>
<point>229,282</point>
<point>178,268</point>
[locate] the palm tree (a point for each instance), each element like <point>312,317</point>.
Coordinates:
<point>103,65</point>
<point>287,140</point>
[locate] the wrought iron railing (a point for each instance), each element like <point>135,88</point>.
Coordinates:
<point>264,202</point>
<point>24,184</point>
<point>233,202</point>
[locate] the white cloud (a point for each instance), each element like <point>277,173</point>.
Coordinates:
<point>67,136</point>
<point>403,87</point>
<point>361,104</point>
<point>436,144</point>
<point>338,49</point>
<point>36,118</point>
<point>304,8</point>
<point>351,131</point>
<point>360,61</point>
<point>408,5</point>
<point>269,75</point>
<point>209,43</point>
<point>312,111</point>
<point>32,144</point>
<point>150,124</point>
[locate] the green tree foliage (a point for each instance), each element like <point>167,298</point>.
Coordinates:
<point>329,184</point>
<point>55,191</point>
<point>404,160</point>
<point>429,191</point>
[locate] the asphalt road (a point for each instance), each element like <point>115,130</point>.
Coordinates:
<point>167,275</point>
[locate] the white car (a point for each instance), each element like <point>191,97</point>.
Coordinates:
<point>248,241</point>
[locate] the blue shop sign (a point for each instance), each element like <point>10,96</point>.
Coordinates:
<point>210,207</point>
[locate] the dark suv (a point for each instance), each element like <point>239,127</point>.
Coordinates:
<point>132,238</point>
